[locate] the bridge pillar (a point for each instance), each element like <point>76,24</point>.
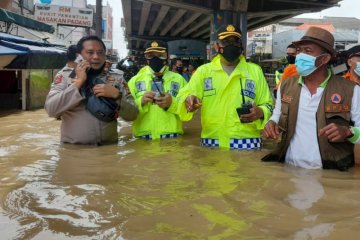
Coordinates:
<point>230,12</point>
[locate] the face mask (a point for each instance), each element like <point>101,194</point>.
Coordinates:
<point>290,59</point>
<point>231,53</point>
<point>93,72</point>
<point>156,64</point>
<point>179,70</point>
<point>305,64</point>
<point>357,69</point>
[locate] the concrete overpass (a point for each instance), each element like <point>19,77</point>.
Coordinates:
<point>198,19</point>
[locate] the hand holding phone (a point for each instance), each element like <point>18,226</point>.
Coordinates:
<point>81,70</point>
<point>79,59</point>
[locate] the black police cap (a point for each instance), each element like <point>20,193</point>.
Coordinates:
<point>227,31</point>
<point>156,46</point>
<point>354,51</point>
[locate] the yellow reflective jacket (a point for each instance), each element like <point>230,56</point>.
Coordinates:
<point>221,95</point>
<point>153,120</point>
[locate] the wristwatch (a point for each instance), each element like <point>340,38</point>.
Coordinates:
<point>352,132</point>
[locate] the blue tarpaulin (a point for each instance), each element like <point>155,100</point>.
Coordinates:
<point>10,51</point>
<point>32,54</point>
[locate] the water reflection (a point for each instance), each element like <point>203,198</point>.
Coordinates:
<point>169,189</point>
<point>308,189</point>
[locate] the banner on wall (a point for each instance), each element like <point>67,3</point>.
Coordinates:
<point>62,15</point>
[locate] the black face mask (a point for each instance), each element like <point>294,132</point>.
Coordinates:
<point>92,72</point>
<point>179,70</point>
<point>156,64</point>
<point>290,59</point>
<point>231,53</point>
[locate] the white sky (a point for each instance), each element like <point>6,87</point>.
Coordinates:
<point>118,33</point>
<point>348,8</point>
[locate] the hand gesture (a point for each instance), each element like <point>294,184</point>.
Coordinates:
<point>163,101</point>
<point>192,103</point>
<point>106,90</point>
<point>147,97</point>
<point>271,130</point>
<point>335,133</point>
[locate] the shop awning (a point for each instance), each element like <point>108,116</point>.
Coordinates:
<point>10,17</point>
<point>10,51</point>
<point>31,54</point>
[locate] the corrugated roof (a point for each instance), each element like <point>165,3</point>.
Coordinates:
<point>327,26</point>
<point>344,23</point>
<point>346,36</point>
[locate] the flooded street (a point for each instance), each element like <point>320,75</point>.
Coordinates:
<point>161,190</point>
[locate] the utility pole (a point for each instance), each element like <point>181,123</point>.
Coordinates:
<point>98,19</point>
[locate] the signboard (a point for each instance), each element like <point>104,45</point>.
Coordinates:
<point>61,15</point>
<point>253,48</point>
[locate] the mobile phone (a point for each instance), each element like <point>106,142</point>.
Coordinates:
<point>244,109</point>
<point>79,59</point>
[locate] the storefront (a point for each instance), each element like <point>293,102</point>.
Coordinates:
<point>26,71</point>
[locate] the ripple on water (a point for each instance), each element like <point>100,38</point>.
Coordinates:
<point>5,151</point>
<point>316,232</point>
<point>43,206</point>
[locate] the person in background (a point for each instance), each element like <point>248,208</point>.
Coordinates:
<point>89,102</point>
<point>353,61</point>
<point>290,69</point>
<point>192,68</point>
<point>233,96</point>
<point>177,67</point>
<point>71,55</point>
<point>185,73</point>
<point>154,89</point>
<point>316,113</point>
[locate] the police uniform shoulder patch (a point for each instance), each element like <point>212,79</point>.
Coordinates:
<point>140,86</point>
<point>208,84</point>
<point>249,90</point>
<point>175,86</point>
<point>58,79</point>
<point>110,79</point>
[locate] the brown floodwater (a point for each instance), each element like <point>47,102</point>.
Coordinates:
<point>168,189</point>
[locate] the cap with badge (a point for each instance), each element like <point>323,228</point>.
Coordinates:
<point>227,31</point>
<point>354,51</point>
<point>156,46</point>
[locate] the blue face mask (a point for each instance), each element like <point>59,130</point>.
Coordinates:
<point>305,64</point>
<point>357,69</point>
